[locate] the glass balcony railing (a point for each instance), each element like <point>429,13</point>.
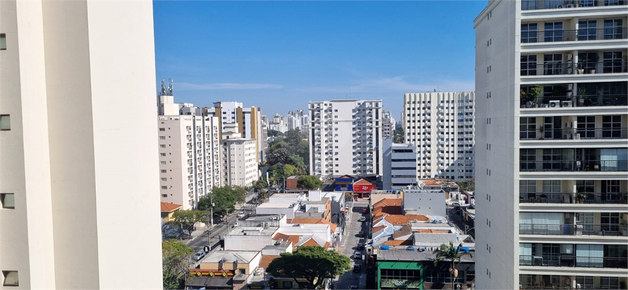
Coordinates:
<point>591,198</point>
<point>584,34</point>
<point>568,68</point>
<point>570,260</point>
<point>573,229</point>
<point>575,133</point>
<point>568,165</point>
<point>602,100</point>
<point>566,4</point>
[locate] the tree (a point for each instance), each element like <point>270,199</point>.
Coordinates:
<point>309,182</point>
<point>260,184</point>
<point>176,262</point>
<point>187,218</point>
<point>262,195</point>
<point>450,253</point>
<point>313,264</point>
<point>224,198</point>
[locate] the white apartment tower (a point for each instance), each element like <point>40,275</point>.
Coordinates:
<point>346,138</point>
<point>442,127</point>
<point>248,120</point>
<point>78,162</point>
<point>239,163</point>
<point>399,165</point>
<point>552,145</point>
<point>189,154</point>
<point>388,124</point>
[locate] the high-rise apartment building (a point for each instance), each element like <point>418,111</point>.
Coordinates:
<point>248,120</point>
<point>78,161</point>
<point>189,153</point>
<point>346,138</point>
<point>399,165</point>
<point>239,163</point>
<point>388,124</point>
<point>551,154</point>
<point>442,127</point>
<point>298,120</point>
<point>279,123</point>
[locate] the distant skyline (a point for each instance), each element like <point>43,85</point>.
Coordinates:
<point>280,55</point>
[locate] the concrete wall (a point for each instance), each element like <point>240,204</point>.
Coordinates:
<point>247,242</point>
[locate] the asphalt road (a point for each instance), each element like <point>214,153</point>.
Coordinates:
<point>212,236</point>
<point>348,247</point>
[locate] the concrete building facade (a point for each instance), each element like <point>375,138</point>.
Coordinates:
<point>400,165</point>
<point>78,159</point>
<point>239,163</point>
<point>346,138</point>
<point>442,127</point>
<point>552,146</point>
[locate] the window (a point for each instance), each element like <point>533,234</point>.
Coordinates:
<point>164,171</point>
<point>552,159</point>
<point>611,126</point>
<point>553,31</point>
<point>613,29</point>
<point>612,62</point>
<point>587,30</point>
<point>5,122</point>
<point>527,128</point>
<point>588,60</point>
<point>528,159</point>
<point>162,129</point>
<point>528,65</point>
<point>10,278</point>
<point>3,41</point>
<point>586,126</point>
<point>7,200</point>
<point>552,64</point>
<point>529,33</point>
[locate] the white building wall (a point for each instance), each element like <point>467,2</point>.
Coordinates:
<point>346,138</point>
<point>66,157</point>
<point>239,162</point>
<point>425,202</point>
<point>441,125</point>
<point>247,242</point>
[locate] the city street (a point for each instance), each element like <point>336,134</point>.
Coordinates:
<point>349,246</point>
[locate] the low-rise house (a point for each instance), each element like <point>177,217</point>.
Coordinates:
<point>224,270</point>
<point>307,234</point>
<point>250,238</point>
<point>167,210</point>
<point>284,208</point>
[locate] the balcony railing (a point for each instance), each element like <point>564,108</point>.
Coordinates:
<point>570,260</point>
<point>560,165</point>
<point>584,34</point>
<point>566,4</point>
<point>547,68</point>
<point>591,198</point>
<point>576,133</point>
<point>578,101</point>
<point>573,230</point>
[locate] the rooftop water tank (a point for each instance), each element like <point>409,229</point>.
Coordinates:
<point>385,247</point>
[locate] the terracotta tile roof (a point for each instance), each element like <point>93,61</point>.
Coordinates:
<point>363,182</point>
<point>387,206</point>
<point>314,221</point>
<point>431,231</point>
<point>280,236</point>
<point>327,244</point>
<point>403,220</point>
<point>294,239</point>
<point>169,207</point>
<point>377,229</point>
<point>310,242</point>
<point>266,259</point>
<point>406,230</point>
<point>398,242</point>
<point>431,182</point>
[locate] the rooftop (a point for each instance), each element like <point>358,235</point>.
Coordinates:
<point>431,183</point>
<point>252,231</point>
<point>169,207</point>
<point>276,205</point>
<point>230,256</point>
<point>313,221</point>
<point>435,239</point>
<point>266,259</point>
<point>406,255</point>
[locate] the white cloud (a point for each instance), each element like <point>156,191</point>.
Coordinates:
<point>226,86</point>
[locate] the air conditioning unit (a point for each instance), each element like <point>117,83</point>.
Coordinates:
<point>554,104</point>
<point>567,104</point>
<point>570,6</point>
<point>568,124</point>
<point>577,136</point>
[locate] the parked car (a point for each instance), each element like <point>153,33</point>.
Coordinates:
<point>360,235</point>
<point>357,255</point>
<point>199,255</point>
<point>362,219</point>
<point>241,215</point>
<point>365,210</point>
<point>360,246</point>
<point>456,205</point>
<point>357,269</point>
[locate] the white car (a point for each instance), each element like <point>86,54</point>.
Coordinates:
<point>357,255</point>
<point>241,215</point>
<point>199,255</point>
<point>362,219</point>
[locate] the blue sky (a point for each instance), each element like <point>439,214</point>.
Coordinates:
<point>280,55</point>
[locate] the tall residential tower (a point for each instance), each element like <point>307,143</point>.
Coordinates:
<point>79,171</point>
<point>551,145</point>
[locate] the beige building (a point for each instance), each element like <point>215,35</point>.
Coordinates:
<point>78,161</point>
<point>239,163</point>
<point>188,154</point>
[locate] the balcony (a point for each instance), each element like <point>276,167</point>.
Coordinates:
<point>573,230</point>
<point>570,260</point>
<point>554,102</point>
<point>569,165</point>
<point>566,4</point>
<point>585,34</point>
<point>569,68</point>
<point>591,198</point>
<point>576,133</point>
